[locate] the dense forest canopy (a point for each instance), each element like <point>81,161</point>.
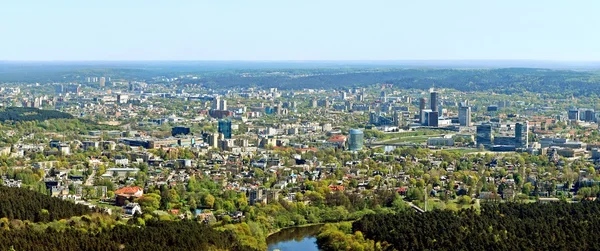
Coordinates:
<point>503,226</point>
<point>155,235</point>
<point>23,204</point>
<point>33,221</point>
<point>31,114</point>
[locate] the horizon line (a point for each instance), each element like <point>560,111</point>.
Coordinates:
<point>301,60</point>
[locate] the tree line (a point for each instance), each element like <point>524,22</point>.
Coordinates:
<point>31,114</point>
<point>498,226</point>
<point>23,204</point>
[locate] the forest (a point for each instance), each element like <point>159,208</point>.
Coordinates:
<point>31,114</point>
<point>23,204</point>
<point>155,235</point>
<point>498,226</point>
<point>33,221</point>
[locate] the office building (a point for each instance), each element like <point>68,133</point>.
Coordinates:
<point>464,116</point>
<point>522,134</point>
<point>102,82</point>
<point>573,114</point>
<point>223,104</point>
<point>421,108</point>
<point>180,130</point>
<point>355,143</point>
<point>589,116</point>
<point>225,128</point>
<point>425,117</point>
<point>122,98</point>
<point>216,105</point>
<point>484,134</point>
<point>434,101</point>
<point>432,118</point>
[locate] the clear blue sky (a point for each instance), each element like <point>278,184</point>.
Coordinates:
<point>299,30</point>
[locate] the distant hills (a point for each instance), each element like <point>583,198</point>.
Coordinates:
<point>576,78</point>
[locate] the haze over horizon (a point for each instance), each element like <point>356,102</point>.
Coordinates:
<point>68,30</point>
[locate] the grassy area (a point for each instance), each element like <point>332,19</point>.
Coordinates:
<point>462,151</point>
<point>412,139</point>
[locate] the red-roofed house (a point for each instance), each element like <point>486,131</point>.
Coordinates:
<point>335,188</point>
<point>127,193</point>
<point>337,140</point>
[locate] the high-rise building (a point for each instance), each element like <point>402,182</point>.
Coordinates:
<point>349,105</point>
<point>355,143</point>
<point>590,115</point>
<point>424,117</point>
<point>433,118</point>
<point>464,116</point>
<point>225,128</point>
<point>398,118</point>
<point>522,134</point>
<point>122,98</point>
<point>223,104</point>
<point>131,86</point>
<point>360,97</point>
<point>216,105</point>
<point>102,82</point>
<point>434,101</point>
<point>484,134</point>
<point>383,96</point>
<point>313,103</point>
<point>422,102</point>
<point>573,114</point>
<point>213,140</point>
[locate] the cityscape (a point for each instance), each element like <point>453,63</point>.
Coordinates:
<point>296,153</point>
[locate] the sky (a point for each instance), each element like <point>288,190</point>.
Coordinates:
<point>71,30</point>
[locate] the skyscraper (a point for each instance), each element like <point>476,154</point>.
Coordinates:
<point>223,104</point>
<point>102,82</point>
<point>355,143</point>
<point>422,102</point>
<point>216,103</point>
<point>522,134</point>
<point>464,116</point>
<point>225,128</point>
<point>434,101</point>
<point>433,118</point>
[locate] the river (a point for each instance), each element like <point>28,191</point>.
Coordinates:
<point>296,238</point>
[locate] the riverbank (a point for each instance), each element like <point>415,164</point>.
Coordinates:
<point>291,227</point>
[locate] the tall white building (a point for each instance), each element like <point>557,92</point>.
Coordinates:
<point>216,104</point>
<point>464,116</point>
<point>223,104</point>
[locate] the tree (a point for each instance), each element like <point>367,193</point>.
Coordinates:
<point>209,201</point>
<point>149,202</point>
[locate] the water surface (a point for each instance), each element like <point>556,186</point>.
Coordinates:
<point>297,238</point>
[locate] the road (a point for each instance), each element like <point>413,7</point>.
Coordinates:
<point>90,179</point>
